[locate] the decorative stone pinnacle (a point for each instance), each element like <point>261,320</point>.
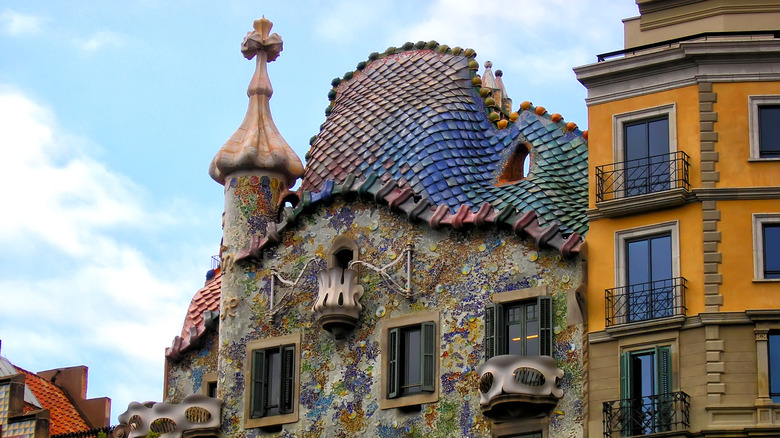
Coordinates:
<point>257,144</point>
<point>488,80</point>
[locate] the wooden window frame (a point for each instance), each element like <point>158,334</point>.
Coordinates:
<point>390,391</point>
<point>253,417</point>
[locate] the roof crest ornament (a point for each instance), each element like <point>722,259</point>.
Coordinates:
<point>257,143</point>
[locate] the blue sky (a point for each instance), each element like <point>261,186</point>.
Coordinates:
<point>110,113</point>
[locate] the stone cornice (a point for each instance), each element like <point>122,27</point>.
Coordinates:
<point>684,64</point>
<point>737,193</point>
<point>637,204</point>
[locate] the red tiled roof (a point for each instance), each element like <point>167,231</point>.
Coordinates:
<point>64,418</point>
<point>207,298</point>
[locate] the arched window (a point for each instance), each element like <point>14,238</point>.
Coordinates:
<point>516,167</point>
<point>342,252</point>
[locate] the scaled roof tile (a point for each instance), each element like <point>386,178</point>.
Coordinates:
<point>424,106</point>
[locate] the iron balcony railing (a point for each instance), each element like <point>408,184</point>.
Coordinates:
<point>647,415</point>
<point>642,176</point>
<point>644,301</point>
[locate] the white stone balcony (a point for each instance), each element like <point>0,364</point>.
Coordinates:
<point>338,307</point>
<point>512,386</point>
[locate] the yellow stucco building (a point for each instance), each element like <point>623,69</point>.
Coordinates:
<point>683,258</point>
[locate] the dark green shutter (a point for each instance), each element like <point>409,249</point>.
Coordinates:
<point>663,365</point>
<point>258,384</point>
<point>664,402</point>
<point>499,331</point>
<point>625,394</point>
<point>288,379</point>
<point>393,354</point>
<point>545,325</point>
<point>428,363</point>
<point>625,375</point>
<point>489,343</point>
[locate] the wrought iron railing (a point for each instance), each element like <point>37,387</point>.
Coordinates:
<point>647,415</point>
<point>642,176</point>
<point>644,301</point>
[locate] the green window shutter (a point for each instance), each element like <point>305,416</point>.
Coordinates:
<point>625,394</point>
<point>625,375</point>
<point>499,330</point>
<point>393,355</point>
<point>288,379</point>
<point>428,363</point>
<point>663,365</point>
<point>489,343</point>
<point>545,325</point>
<point>258,384</point>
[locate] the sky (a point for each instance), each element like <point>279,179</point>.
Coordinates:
<point>110,113</point>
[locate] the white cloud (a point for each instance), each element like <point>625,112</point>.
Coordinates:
<point>100,40</point>
<point>17,24</point>
<point>544,39</point>
<point>79,288</point>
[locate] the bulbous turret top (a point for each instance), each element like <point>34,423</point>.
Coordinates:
<point>257,145</point>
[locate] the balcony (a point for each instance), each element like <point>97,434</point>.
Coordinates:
<point>660,181</point>
<point>645,301</point>
<point>337,307</point>
<point>667,412</point>
<point>512,386</point>
<point>196,415</point>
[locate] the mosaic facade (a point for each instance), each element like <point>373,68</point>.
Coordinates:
<point>452,271</point>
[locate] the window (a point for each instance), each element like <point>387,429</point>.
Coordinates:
<point>209,385</point>
<point>646,156</point>
<point>766,246</point>
<point>272,381</point>
<point>644,143</point>
<point>522,328</point>
<point>410,346</point>
<point>647,275</point>
<point>271,389</point>
<point>764,127</point>
<point>774,366</point>
<point>411,359</point>
<point>645,387</point>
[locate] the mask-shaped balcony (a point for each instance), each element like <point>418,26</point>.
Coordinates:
<point>512,386</point>
<point>196,414</point>
<point>337,308</point>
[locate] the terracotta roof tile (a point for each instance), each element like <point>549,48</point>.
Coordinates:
<point>207,298</point>
<point>64,418</point>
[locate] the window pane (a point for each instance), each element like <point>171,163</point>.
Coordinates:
<point>637,261</point>
<point>636,141</point>
<point>769,131</point>
<point>642,372</point>
<point>274,381</point>
<point>661,258</point>
<point>532,338</point>
<point>774,366</point>
<point>658,137</point>
<point>410,350</point>
<point>772,251</point>
<point>513,314</point>
<point>515,337</point>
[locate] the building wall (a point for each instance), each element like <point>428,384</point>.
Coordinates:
<point>601,133</point>
<point>189,374</point>
<point>454,273</point>
<point>733,128</point>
